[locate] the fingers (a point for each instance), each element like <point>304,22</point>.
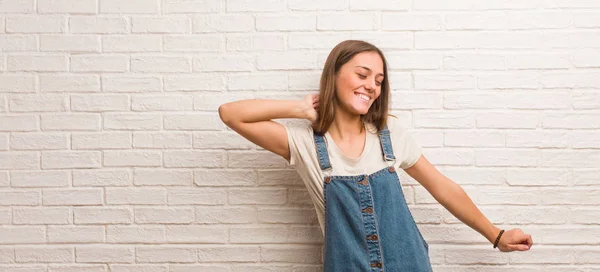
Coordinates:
<point>518,247</point>
<point>529,241</point>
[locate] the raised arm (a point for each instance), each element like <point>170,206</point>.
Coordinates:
<point>252,119</point>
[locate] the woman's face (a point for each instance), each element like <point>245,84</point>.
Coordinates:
<point>358,82</point>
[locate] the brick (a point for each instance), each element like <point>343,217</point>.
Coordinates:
<point>165,254</point>
<point>186,121</point>
<point>257,82</point>
<point>47,254</point>
<point>286,23</point>
<point>309,254</point>
<point>208,159</point>
<point>36,24</point>
<point>538,61</point>
<point>198,196</point>
<point>411,21</point>
<point>24,6</point>
<point>38,103</point>
<point>286,61</point>
<point>100,103</point>
<point>37,63</point>
<point>104,254</point>
<point>131,43</point>
<point>102,140</point>
<point>160,25</point>
<point>229,253</point>
<point>22,234</point>
<point>318,40</point>
<point>225,215</point>
<point>40,216</point>
<point>223,23</point>
<point>36,141</point>
<point>163,177</point>
<point>159,64</point>
<point>135,234</point>
<point>22,197</point>
<point>119,158</point>
<point>474,139</point>
<point>570,80</point>
<point>98,25</point>
<point>67,6</point>
<point>162,140</point>
<point>223,63</point>
<point>198,6</point>
<point>137,196</point>
<point>538,139</point>
<point>275,234</point>
<point>194,43</point>
<point>251,159</point>
<point>570,120</point>
<point>196,234</point>
<point>287,216</point>
<point>102,215</point>
<point>102,178</point>
<point>444,120</point>
<point>221,140</point>
<point>171,102</point>
<point>202,82</point>
<point>168,216</point>
<point>69,83</point>
<point>414,60</point>
<point>255,42</point>
<point>348,21</point>
<point>61,197</point>
<point>132,6</point>
<point>46,178</point>
<point>525,158</point>
<point>452,81</point>
<point>70,121</point>
<point>307,5</point>
<point>387,5</point>
<point>21,160</point>
<point>132,121</point>
<point>400,40</point>
<point>74,43</point>
<point>255,6</point>
<point>16,42</point>
<point>90,63</point>
<point>225,178</point>
<point>257,196</point>
<point>70,159</point>
<point>131,83</point>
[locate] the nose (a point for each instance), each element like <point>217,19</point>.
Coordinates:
<point>370,86</point>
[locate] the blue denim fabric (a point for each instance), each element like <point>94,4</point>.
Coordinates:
<point>368,226</point>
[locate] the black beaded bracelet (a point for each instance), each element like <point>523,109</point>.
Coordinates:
<point>498,239</point>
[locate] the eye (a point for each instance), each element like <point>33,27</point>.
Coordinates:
<point>362,76</point>
<point>378,83</point>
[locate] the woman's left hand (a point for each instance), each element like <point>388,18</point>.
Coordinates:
<point>515,239</point>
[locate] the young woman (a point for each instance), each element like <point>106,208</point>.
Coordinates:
<point>348,159</point>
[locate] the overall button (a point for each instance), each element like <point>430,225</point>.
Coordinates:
<point>391,169</point>
<point>368,210</point>
<point>377,264</point>
<point>364,181</point>
<point>327,179</point>
<point>373,237</point>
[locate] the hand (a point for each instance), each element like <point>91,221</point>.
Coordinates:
<point>514,239</point>
<point>309,107</point>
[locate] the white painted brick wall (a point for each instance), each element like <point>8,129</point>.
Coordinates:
<point>113,158</point>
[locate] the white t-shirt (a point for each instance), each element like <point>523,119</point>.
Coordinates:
<point>303,155</point>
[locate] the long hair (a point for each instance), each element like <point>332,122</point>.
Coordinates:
<point>328,102</point>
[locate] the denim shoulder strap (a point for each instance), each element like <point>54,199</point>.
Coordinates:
<point>386,144</point>
<point>321,145</point>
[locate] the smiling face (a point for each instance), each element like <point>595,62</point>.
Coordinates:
<point>358,82</point>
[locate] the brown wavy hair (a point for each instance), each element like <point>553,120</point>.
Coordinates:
<point>328,102</point>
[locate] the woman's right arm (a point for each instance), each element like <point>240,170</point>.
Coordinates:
<point>252,119</point>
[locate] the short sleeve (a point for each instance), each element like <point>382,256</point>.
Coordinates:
<point>406,149</point>
<point>292,144</point>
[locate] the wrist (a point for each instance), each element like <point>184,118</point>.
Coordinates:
<point>493,234</point>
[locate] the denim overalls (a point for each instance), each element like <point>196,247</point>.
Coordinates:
<point>368,226</point>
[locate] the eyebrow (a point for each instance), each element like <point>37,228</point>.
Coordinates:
<point>380,74</point>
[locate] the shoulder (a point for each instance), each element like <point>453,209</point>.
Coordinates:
<point>300,133</point>
<point>395,125</point>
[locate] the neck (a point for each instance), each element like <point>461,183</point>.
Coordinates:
<point>346,125</point>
